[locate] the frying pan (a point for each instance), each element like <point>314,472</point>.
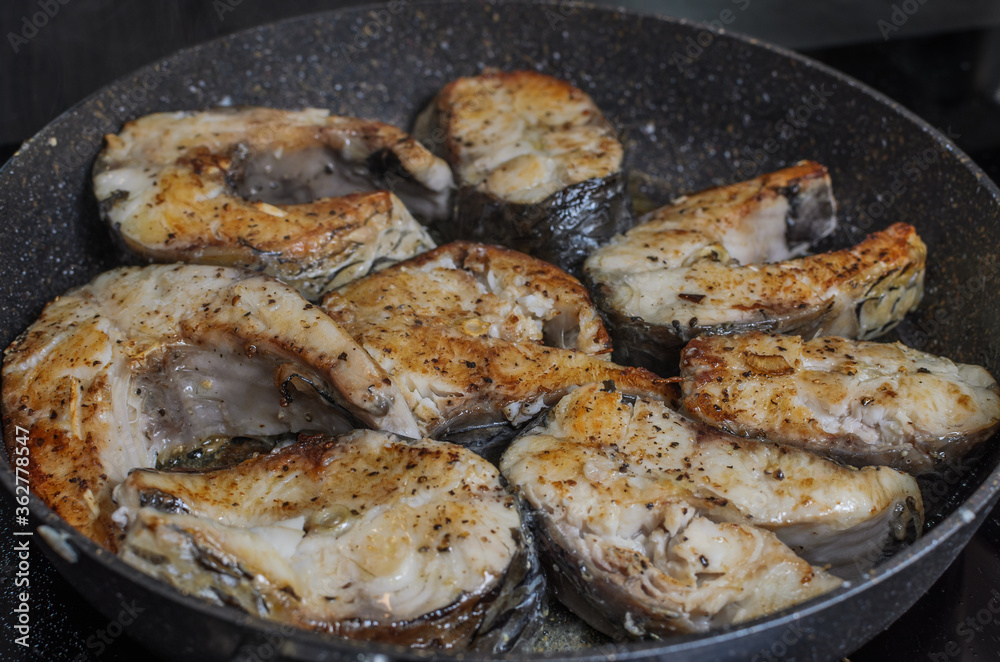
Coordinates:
<point>696,107</point>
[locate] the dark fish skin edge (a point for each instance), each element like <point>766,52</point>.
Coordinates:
<point>509,615</point>
<point>657,347</point>
<point>600,603</point>
<point>506,618</point>
<point>568,576</point>
<point>514,618</point>
<point>491,441</point>
<point>563,229</point>
<point>488,441</point>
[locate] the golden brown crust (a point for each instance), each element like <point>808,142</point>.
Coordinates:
<point>865,403</point>
<point>401,541</point>
<point>470,329</point>
<point>167,186</point>
<point>840,279</point>
<point>65,420</point>
<point>552,131</point>
<point>68,378</point>
<point>396,286</point>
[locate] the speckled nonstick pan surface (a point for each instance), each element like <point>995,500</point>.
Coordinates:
<point>696,109</point>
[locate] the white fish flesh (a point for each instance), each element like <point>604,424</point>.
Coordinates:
<point>656,524</point>
<point>721,261</point>
<point>475,335</point>
<point>365,535</point>
<point>142,360</point>
<point>862,402</point>
<point>303,195</point>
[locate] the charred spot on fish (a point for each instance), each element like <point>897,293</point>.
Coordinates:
<point>693,298</point>
<point>220,452</point>
<point>162,501</point>
<point>384,164</point>
<point>109,202</point>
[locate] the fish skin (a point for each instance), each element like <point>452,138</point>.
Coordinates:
<point>630,496</point>
<point>167,186</point>
<point>690,269</point>
<point>538,167</point>
<point>71,378</point>
<point>482,331</point>
<point>366,535</point>
<point>862,402</point>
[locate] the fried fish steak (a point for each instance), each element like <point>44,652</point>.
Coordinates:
<point>303,195</point>
<point>478,335</point>
<point>721,261</point>
<point>368,536</point>
<point>655,525</point>
<point>141,360</point>
<point>862,402</point>
<point>538,167</point>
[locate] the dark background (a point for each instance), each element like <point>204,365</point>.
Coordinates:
<point>87,43</point>
<point>940,59</point>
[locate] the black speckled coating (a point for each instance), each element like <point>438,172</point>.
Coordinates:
<point>695,108</point>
